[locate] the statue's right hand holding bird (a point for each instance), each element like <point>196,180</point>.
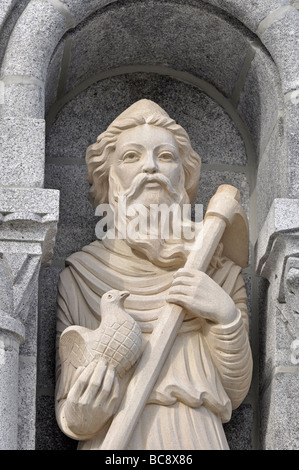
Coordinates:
<point>99,358</point>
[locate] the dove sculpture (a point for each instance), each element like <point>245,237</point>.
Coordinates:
<point>117,341</point>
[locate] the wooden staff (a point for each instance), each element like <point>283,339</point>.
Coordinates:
<point>220,214</point>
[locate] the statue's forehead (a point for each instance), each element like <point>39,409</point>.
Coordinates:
<point>146,135</point>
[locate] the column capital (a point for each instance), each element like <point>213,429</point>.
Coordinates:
<point>28,221</point>
<point>278,241</point>
<point>277,258</point>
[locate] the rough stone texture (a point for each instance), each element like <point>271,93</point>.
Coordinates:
<point>36,35</point>
<point>248,284</point>
<point>260,99</point>
<point>9,359</point>
<point>278,241</point>
<point>272,179</point>
<point>25,241</point>
<point>212,132</point>
<point>77,220</point>
<point>29,347</point>
<point>44,203</point>
<point>294,181</point>
<point>23,101</point>
<point>27,405</point>
<point>291,289</point>
<point>10,12</point>
<point>279,413</point>
<point>29,218</point>
<point>81,10</point>
<point>22,150</point>
<point>32,236</point>
<point>49,436</point>
<point>275,338</point>
<point>6,7</point>
<point>192,39</point>
<point>251,12</point>
<point>282,218</point>
<point>211,179</point>
<point>53,76</point>
<point>47,327</point>
<point>71,238</point>
<point>238,430</point>
<point>292,137</point>
<point>284,48</point>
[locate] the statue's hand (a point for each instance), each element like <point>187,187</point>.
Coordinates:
<point>197,293</point>
<point>91,400</point>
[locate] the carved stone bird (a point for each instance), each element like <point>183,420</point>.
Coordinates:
<point>118,339</point>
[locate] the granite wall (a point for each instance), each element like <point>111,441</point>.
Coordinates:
<point>227,71</point>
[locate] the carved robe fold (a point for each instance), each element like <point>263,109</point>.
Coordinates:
<point>208,371</point>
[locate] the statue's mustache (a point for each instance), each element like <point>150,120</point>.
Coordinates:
<point>143,178</point>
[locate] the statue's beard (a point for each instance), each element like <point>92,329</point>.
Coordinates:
<point>169,251</point>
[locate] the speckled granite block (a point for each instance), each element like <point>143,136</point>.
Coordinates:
<point>184,37</point>
<point>212,132</point>
<point>35,35</point>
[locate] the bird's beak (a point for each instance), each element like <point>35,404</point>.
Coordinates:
<point>124,294</point>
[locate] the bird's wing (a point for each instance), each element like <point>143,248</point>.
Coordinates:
<point>73,348</point>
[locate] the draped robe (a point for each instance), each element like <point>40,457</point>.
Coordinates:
<point>206,374</point>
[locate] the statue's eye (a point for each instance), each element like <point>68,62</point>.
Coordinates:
<point>109,296</point>
<point>166,156</point>
<point>130,157</point>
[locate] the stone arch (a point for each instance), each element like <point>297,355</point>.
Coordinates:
<point>249,70</point>
<point>42,25</point>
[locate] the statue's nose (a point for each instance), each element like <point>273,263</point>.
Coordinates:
<point>150,164</point>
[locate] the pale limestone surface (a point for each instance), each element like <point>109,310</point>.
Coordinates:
<point>184,306</point>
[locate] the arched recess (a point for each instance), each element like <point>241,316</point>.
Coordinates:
<point>221,52</point>
<point>61,50</point>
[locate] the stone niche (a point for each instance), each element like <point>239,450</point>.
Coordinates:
<point>227,71</point>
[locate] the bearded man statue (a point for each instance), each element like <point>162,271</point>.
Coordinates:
<point>146,157</point>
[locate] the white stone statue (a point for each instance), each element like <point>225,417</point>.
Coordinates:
<point>113,294</point>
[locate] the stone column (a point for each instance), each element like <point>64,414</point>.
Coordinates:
<point>28,218</point>
<point>9,364</point>
<point>278,262</point>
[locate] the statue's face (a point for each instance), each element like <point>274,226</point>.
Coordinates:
<point>147,149</point>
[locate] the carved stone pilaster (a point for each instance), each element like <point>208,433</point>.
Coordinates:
<point>28,223</point>
<point>291,282</point>
<point>18,277</point>
<point>291,294</point>
<point>277,256</point>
